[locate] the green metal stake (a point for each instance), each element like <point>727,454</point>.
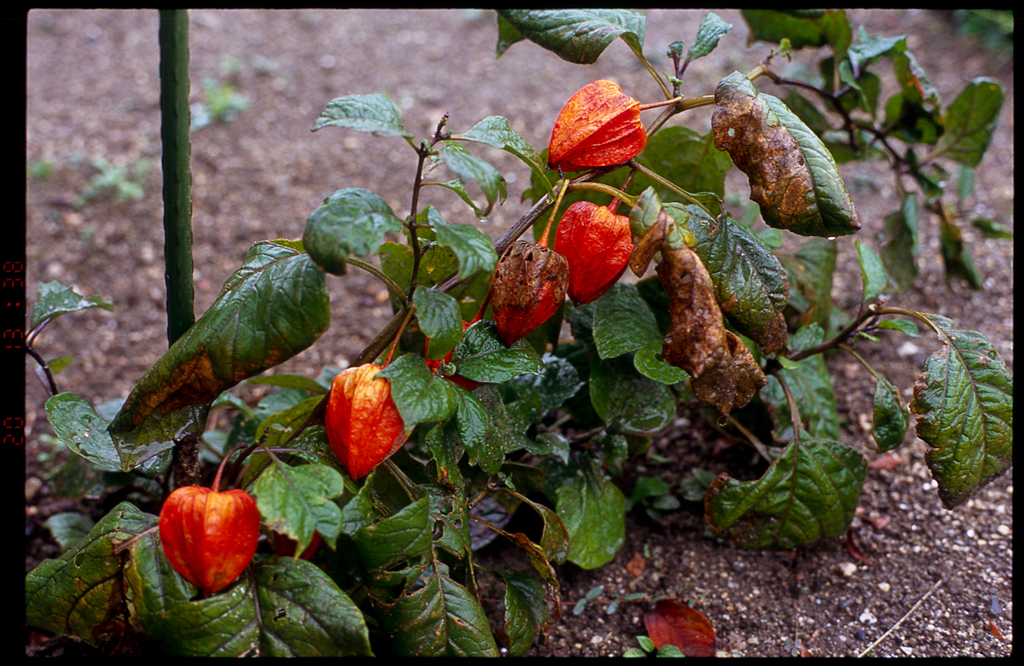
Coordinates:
<point>177,150</point>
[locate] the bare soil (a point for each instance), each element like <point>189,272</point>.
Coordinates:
<point>940,582</point>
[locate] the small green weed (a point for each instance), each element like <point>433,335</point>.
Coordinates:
<point>222,104</point>
<point>123,183</point>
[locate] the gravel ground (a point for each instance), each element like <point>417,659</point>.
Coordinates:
<point>941,581</point>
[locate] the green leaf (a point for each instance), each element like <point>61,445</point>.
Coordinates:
<point>81,592</point>
<point>989,229</point>
<point>816,28</point>
<point>69,527</point>
<point>593,511</point>
<point>686,158</point>
<point>440,320</point>
<point>273,307</point>
<point>483,357</point>
<point>872,272</point>
<point>494,131</point>
<point>712,28</point>
<point>77,424</point>
<point>440,619</point>
<point>956,255</point>
<point>900,248</point>
<point>526,611</point>
<point>288,608</point>
<point>964,403</point>
<point>970,121</point>
<point>471,247</point>
<point>55,299</point>
<point>297,502</point>
<point>363,113</point>
<point>811,386</point>
<point>420,396</point>
<point>469,167</point>
<point>807,497</point>
<point>289,380</point>
<point>577,35</point>
<point>393,539</point>
<point>350,221</point>
<point>891,417</point>
<point>627,401</point>
<point>809,273</point>
<point>624,322</point>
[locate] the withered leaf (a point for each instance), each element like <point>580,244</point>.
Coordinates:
<point>793,177</point>
<point>723,371</point>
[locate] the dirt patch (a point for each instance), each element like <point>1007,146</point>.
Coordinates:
<point>93,93</point>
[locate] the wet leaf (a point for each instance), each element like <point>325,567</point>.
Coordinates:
<point>471,247</point>
<point>55,299</point>
<point>809,273</point>
<point>441,618</point>
<point>964,403</point>
<point>593,510</point>
<point>494,131</point>
<point>297,501</point>
<point>469,167</point>
<point>672,622</point>
<point>270,309</point>
<point>364,113</point>
<point>350,221</point>
<point>806,498</point>
<point>891,416</point>
<point>576,35</point>
<point>793,177</point>
<point>526,611</point>
<point>81,592</point>
<point>421,397</point>
<point>802,27</point>
<point>956,255</point>
<point>483,357</point>
<point>686,158</point>
<point>289,609</point>
<point>627,401</point>
<point>439,319</point>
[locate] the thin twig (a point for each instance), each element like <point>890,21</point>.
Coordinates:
<point>900,621</point>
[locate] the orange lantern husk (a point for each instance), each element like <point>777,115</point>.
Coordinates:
<point>209,537</point>
<point>529,286</point>
<point>364,426</point>
<point>596,243</point>
<point>599,126</point>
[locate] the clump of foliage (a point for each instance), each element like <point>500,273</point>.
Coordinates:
<point>482,413</point>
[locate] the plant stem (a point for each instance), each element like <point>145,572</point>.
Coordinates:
<point>380,275</point>
<point>670,185</point>
<point>618,195</point>
<point>174,133</point>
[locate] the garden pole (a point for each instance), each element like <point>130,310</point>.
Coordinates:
<point>177,149</point>
<point>175,121</point>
